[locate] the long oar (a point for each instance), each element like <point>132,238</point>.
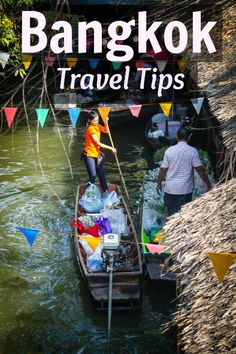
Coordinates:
<point>118,165</point>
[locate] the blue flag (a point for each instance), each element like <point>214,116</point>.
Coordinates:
<point>30,234</point>
<point>93,63</point>
<point>74,115</point>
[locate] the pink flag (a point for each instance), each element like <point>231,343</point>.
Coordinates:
<point>155,248</point>
<point>10,114</point>
<point>135,110</point>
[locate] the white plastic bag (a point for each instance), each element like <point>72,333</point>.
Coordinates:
<point>149,219</point>
<point>110,200</point>
<point>94,262</point>
<point>91,201</point>
<point>117,220</point>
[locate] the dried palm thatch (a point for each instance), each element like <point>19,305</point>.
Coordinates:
<point>218,80</point>
<point>206,312</point>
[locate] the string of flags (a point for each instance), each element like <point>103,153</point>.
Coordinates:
<point>221,261</point>
<point>93,62</point>
<point>42,113</point>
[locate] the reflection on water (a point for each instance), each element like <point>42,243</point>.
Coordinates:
<point>45,307</point>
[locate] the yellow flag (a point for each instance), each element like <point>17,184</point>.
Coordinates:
<point>182,65</point>
<point>92,241</point>
<point>71,62</point>
<point>221,263</point>
<point>104,112</point>
<point>26,58</point>
<point>166,107</point>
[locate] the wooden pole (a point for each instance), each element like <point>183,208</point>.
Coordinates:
<point>118,165</point>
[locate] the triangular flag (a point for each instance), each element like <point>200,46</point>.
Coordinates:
<point>104,112</point>
<point>92,241</point>
<point>139,64</point>
<point>135,110</point>
<point>197,103</point>
<point>182,65</point>
<point>116,65</point>
<point>71,62</point>
<point>161,64</point>
<point>155,248</point>
<point>10,114</point>
<point>4,58</point>
<point>74,115</point>
<point>30,234</point>
<point>42,115</point>
<point>26,58</point>
<point>93,63</point>
<point>221,263</point>
<point>166,107</point>
<point>49,60</point>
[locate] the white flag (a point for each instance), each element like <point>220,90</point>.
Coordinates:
<point>4,58</point>
<point>197,103</point>
<point>161,65</point>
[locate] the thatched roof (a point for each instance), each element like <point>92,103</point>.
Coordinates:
<point>206,311</point>
<point>218,80</point>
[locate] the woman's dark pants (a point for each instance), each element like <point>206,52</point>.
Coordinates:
<point>174,202</point>
<point>93,168</point>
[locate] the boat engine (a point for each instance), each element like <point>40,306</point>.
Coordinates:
<point>115,253</point>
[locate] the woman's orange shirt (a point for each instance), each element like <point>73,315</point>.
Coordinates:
<point>91,148</point>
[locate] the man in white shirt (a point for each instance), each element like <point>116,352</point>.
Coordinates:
<point>178,166</point>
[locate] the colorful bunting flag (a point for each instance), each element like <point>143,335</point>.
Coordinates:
<point>161,64</point>
<point>26,58</point>
<point>10,113</point>
<point>74,115</point>
<point>166,107</point>
<point>135,110</point>
<point>155,248</point>
<point>116,65</point>
<point>221,263</point>
<point>104,112</point>
<point>71,62</point>
<point>139,64</point>
<point>42,115</point>
<point>49,60</point>
<point>182,65</point>
<point>30,234</point>
<point>4,58</point>
<point>92,241</point>
<point>93,63</point>
<point>197,103</point>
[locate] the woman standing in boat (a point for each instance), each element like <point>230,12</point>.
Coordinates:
<point>91,153</point>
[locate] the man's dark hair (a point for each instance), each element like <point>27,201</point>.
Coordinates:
<point>91,115</point>
<point>183,134</point>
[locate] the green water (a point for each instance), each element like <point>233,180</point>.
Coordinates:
<point>45,307</point>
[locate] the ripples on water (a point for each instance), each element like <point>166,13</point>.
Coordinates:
<point>45,307</point>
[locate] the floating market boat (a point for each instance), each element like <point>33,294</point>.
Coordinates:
<point>161,131</point>
<point>127,267</point>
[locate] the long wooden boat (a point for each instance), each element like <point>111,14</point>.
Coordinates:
<point>127,283</point>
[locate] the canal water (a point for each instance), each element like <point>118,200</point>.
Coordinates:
<point>45,307</point>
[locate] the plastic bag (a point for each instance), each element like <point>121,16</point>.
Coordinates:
<point>117,220</point>
<point>110,200</point>
<point>91,201</point>
<point>104,226</point>
<point>149,219</point>
<point>94,262</point>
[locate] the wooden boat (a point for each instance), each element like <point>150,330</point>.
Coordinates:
<point>127,283</point>
<point>157,265</point>
<point>167,126</point>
